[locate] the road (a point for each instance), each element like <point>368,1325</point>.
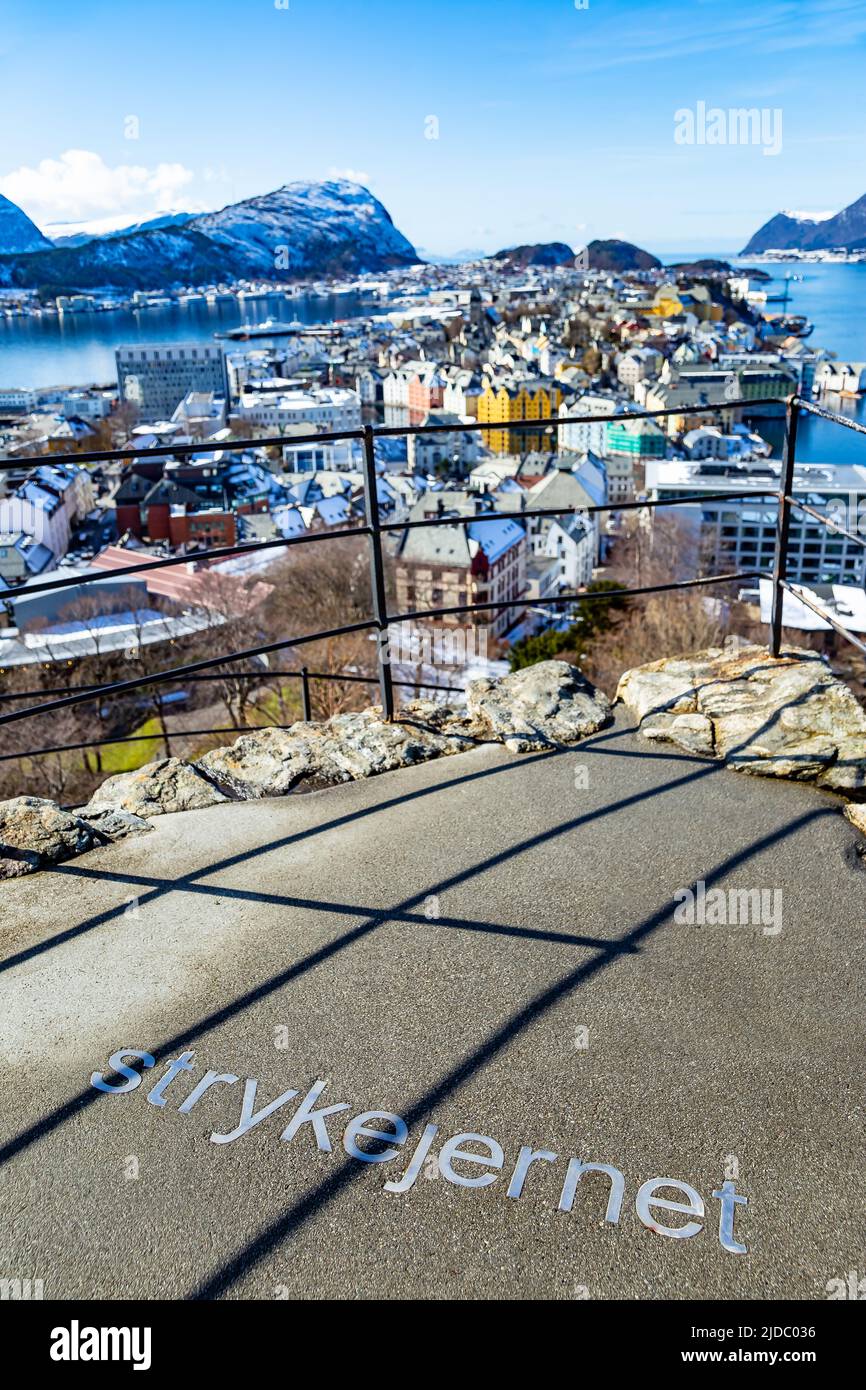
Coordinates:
<point>488,944</point>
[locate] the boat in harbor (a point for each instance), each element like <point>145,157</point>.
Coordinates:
<point>788,325</point>
<point>270,328</point>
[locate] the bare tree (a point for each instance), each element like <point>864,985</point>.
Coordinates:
<point>233,609</point>
<point>318,592</point>
<point>659,549</point>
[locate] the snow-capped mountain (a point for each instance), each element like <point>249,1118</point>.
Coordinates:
<point>302,229</point>
<point>17,233</point>
<point>337,224</point>
<point>789,231</point>
<point>77,233</point>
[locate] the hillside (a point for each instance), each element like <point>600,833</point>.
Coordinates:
<point>17,232</point>
<point>546,253</point>
<point>619,256</point>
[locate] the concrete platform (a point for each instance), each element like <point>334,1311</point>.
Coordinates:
<point>487,944</point>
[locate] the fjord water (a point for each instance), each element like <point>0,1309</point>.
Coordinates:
<point>833,297</point>
<point>78,349</point>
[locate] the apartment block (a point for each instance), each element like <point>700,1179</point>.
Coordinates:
<point>155,378</point>
<point>740,534</point>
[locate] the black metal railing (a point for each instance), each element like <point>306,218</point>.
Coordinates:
<point>375,528</point>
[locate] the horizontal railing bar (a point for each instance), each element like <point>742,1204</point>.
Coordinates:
<point>263,675</point>
<point>462,520</point>
<point>177,672</point>
<point>192,670</point>
<point>825,521</point>
<point>384,431</point>
<point>831,415</point>
<point>194,558</point>
<point>558,599</point>
<point>374,680</point>
<point>222,552</point>
<point>47,586</point>
<point>229,729</point>
<point>166,450</point>
<point>843,631</point>
<point>544,421</point>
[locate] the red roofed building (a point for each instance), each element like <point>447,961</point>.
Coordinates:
<point>189,585</point>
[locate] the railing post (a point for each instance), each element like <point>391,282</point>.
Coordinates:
<point>783,523</point>
<point>305,694</point>
<point>377,574</point>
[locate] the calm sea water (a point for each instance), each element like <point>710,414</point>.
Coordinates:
<point>78,349</point>
<point>833,297</point>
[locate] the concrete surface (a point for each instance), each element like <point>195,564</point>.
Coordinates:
<point>482,943</point>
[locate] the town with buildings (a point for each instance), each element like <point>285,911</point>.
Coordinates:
<point>484,343</point>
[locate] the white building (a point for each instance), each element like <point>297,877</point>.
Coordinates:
<point>636,364</point>
<point>316,408</point>
<point>87,405</point>
<point>572,542</point>
<point>201,414</point>
<point>455,450</point>
<point>462,389</point>
<point>395,387</point>
<point>708,442</point>
<point>847,377</point>
<point>47,505</point>
<point>329,455</point>
<point>19,398</point>
<point>580,438</point>
<point>740,533</point>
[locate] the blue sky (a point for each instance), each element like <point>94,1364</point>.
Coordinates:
<point>553,122</point>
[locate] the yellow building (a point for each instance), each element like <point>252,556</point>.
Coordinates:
<point>670,301</point>
<point>519,401</point>
<point>667,302</point>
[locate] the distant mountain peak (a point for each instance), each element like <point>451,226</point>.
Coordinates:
<point>807,216</point>
<point>814,231</point>
<point>76,234</point>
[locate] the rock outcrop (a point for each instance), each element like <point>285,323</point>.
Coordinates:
<point>345,748</point>
<point>543,706</point>
<point>784,717</point>
<point>156,789</point>
<point>35,833</point>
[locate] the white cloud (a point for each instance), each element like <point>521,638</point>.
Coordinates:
<point>80,185</point>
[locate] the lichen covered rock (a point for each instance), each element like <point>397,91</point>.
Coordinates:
<point>35,833</point>
<point>770,717</point>
<point>111,824</point>
<point>269,762</point>
<point>345,748</point>
<point>156,789</point>
<point>541,706</point>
